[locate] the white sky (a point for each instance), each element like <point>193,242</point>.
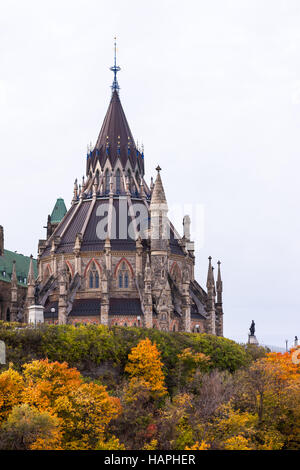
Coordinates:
<point>212,88</point>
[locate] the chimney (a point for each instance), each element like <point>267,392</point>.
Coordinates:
<point>1,241</point>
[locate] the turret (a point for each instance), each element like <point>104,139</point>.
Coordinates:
<point>210,306</point>
<point>219,303</point>
<point>159,220</point>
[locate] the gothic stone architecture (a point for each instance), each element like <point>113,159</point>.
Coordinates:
<point>13,282</point>
<point>104,262</point>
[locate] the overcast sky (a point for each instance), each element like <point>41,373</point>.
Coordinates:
<point>212,89</point>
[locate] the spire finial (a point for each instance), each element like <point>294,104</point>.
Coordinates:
<point>158,168</point>
<point>115,69</point>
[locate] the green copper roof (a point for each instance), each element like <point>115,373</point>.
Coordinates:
<point>59,211</point>
<point>22,266</point>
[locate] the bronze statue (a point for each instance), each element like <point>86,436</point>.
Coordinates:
<point>252,328</point>
<point>36,294</point>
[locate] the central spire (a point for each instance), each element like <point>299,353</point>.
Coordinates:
<point>115,69</point>
<point>115,144</point>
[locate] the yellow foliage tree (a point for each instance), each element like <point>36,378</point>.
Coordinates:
<point>86,413</point>
<point>144,363</point>
<point>11,387</point>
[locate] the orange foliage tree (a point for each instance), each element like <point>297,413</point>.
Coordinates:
<point>83,410</point>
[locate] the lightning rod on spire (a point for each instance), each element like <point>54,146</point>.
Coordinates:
<point>115,69</point>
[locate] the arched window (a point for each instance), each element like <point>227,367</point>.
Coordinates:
<point>126,280</point>
<point>118,181</point>
<point>106,181</point>
<point>96,280</point>
<point>93,277</point>
<point>8,315</point>
<point>123,276</point>
<point>91,280</point>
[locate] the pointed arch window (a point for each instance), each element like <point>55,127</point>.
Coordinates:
<point>96,280</point>
<point>118,181</point>
<point>91,280</point>
<point>93,277</point>
<point>123,276</point>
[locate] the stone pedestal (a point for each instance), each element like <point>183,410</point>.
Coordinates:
<point>2,353</point>
<point>36,314</point>
<point>252,340</point>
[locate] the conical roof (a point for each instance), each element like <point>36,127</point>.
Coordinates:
<point>59,211</point>
<point>115,139</point>
<point>158,195</point>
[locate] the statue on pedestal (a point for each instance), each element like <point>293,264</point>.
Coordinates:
<point>252,328</point>
<point>251,336</point>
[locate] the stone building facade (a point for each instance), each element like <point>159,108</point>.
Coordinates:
<point>115,258</point>
<point>13,282</point>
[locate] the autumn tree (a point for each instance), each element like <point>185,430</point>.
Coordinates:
<point>144,364</point>
<point>29,429</point>
<point>11,387</point>
<point>191,365</point>
<point>86,412</point>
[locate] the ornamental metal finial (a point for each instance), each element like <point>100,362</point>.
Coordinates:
<point>115,69</point>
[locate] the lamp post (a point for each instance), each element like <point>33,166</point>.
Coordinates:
<point>53,312</point>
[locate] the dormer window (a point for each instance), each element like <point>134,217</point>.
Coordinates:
<point>106,181</point>
<point>118,181</point>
